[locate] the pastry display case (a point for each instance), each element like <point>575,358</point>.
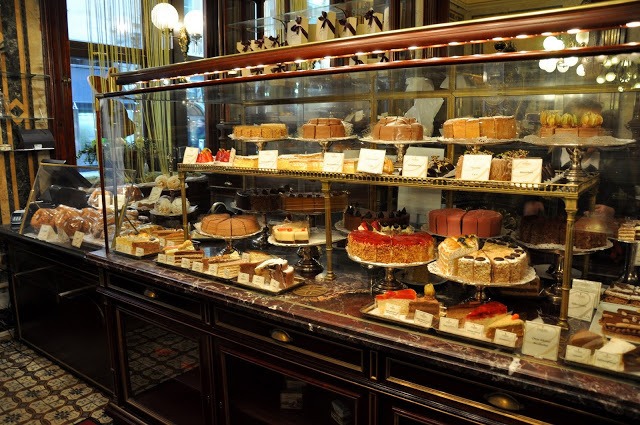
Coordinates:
<point>559,88</point>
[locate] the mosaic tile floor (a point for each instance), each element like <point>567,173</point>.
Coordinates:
<point>33,390</point>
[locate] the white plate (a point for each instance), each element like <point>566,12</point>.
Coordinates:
<point>318,237</point>
<point>528,277</point>
<point>393,265</point>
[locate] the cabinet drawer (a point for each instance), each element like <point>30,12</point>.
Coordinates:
<point>292,339</point>
<point>180,303</point>
<point>476,398</point>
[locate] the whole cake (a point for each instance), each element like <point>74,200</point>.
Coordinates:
<point>227,225</point>
<point>323,128</point>
<point>397,128</point>
<point>262,131</point>
<point>589,232</point>
<point>498,127</point>
<point>312,202</point>
<point>353,216</point>
<point>261,200</point>
<point>377,247</point>
<point>456,221</point>
<point>294,232</point>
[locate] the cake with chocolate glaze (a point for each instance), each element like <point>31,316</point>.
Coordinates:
<point>353,216</point>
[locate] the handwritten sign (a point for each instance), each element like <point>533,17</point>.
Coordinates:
<point>414,166</point>
<point>333,162</point>
<point>476,167</point>
<point>371,161</point>
<point>541,340</point>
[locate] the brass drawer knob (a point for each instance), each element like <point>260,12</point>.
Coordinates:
<point>150,294</point>
<point>503,401</point>
<point>280,335</point>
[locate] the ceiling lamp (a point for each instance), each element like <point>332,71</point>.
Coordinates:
<point>194,22</point>
<point>164,16</point>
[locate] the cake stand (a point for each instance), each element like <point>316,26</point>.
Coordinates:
<point>389,283</point>
<point>308,264</point>
<point>480,294</point>
<point>258,141</point>
<point>229,248</point>
<point>400,145</point>
<point>476,143</point>
<point>262,241</point>
<point>325,143</point>
<point>556,269</point>
<point>629,276</point>
<point>576,148</point>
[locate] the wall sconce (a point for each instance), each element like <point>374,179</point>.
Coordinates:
<point>165,17</point>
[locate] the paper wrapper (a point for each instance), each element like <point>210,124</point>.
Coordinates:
<point>373,23</point>
<point>298,31</point>
<point>347,27</point>
<point>326,26</point>
<point>244,46</point>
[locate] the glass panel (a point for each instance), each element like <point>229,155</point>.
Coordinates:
<point>164,371</point>
<point>99,15</point>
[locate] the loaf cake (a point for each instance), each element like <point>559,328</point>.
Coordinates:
<point>260,200</point>
<point>587,339</point>
<point>312,202</point>
<point>589,232</point>
<point>498,127</point>
<point>322,128</point>
<point>456,221</point>
<point>397,128</point>
<point>623,323</point>
<point>226,225</point>
<point>262,131</point>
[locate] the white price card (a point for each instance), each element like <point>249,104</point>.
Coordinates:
<point>476,167</point>
<point>541,340</point>
<point>121,199</point>
<point>162,258</point>
<point>197,266</point>
<point>581,304</point>
<point>139,252</point>
<point>502,337</point>
<point>78,237</point>
<point>243,278</point>
<point>415,166</point>
<point>578,354</point>
<point>474,330</point>
<point>611,361</point>
<point>422,318</point>
<point>185,263</point>
<point>156,191</point>
<point>526,170</point>
<point>333,162</point>
<point>46,232</point>
<point>274,285</point>
<point>246,257</point>
<point>190,155</point>
<point>392,310</point>
<point>591,286</point>
<point>371,161</point>
<point>258,280</point>
<point>448,324</point>
<point>268,159</point>
<point>171,259</point>
<point>213,269</point>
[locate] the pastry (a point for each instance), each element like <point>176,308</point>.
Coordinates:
<point>322,128</point>
<point>587,339</point>
<point>377,247</point>
<point>353,216</point>
<point>455,221</point>
<point>226,225</point>
<point>397,128</point>
<point>273,269</point>
<point>295,232</point>
<point>399,299</point>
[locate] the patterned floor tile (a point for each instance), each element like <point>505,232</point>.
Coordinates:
<point>20,416</point>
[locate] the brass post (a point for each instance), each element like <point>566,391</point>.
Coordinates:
<point>326,191</point>
<point>183,193</point>
<point>571,207</point>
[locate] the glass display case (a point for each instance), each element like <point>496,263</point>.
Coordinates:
<point>565,64</point>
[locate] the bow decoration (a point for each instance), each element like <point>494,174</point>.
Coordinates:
<point>370,16</point>
<point>260,43</point>
<point>278,68</point>
<point>246,46</point>
<point>275,41</point>
<point>327,22</point>
<point>357,61</point>
<point>297,28</point>
<point>346,26</point>
<point>257,71</point>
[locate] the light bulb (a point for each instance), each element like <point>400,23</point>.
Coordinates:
<point>582,37</point>
<point>607,63</point>
<point>563,66</point>
<point>610,76</point>
<point>549,43</point>
<point>193,22</point>
<point>600,79</point>
<point>615,60</point>
<point>164,16</point>
<point>551,65</point>
<point>580,70</point>
<point>571,61</point>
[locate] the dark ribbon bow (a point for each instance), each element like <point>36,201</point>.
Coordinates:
<point>247,46</point>
<point>326,21</point>
<point>278,68</point>
<point>383,57</point>
<point>297,28</point>
<point>275,41</point>
<point>257,71</point>
<point>260,43</point>
<point>370,16</point>
<point>357,61</point>
<point>347,26</point>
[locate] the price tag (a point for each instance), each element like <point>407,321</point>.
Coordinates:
<point>474,330</point>
<point>121,200</point>
<point>78,237</point>
<point>258,280</point>
<point>476,167</point>
<point>392,310</point>
<point>243,278</point>
<point>275,285</point>
<point>213,269</point>
<point>156,191</point>
<point>45,232</point>
<point>185,263</point>
<point>578,354</point>
<point>581,304</point>
<point>591,286</point>
<point>268,159</point>
<point>171,259</point>
<point>190,155</point>
<point>197,266</point>
<point>246,257</point>
<point>139,252</point>
<point>423,318</point>
<point>448,324</point>
<point>162,258</point>
<point>505,338</point>
<point>333,162</point>
<point>541,340</point>
<point>414,166</point>
<point>371,161</point>
<point>607,360</point>
<point>526,170</point>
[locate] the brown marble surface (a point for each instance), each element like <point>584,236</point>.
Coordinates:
<point>337,314</point>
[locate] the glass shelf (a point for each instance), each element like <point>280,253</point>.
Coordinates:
<point>13,117</point>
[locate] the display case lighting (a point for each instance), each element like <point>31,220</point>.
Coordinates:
<point>633,24</point>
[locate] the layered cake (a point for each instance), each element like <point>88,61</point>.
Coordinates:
<point>295,232</point>
<point>261,200</point>
<point>498,127</point>
<point>439,167</point>
<point>590,232</point>
<point>397,128</point>
<point>176,253</point>
<point>623,323</point>
<point>277,269</point>
<point>622,293</point>
<point>262,131</point>
<point>427,304</point>
<point>453,248</point>
<point>629,230</point>
<point>226,225</point>
<point>250,161</point>
<point>353,216</point>
<point>400,299</point>
<point>322,128</point>
<point>377,247</point>
<point>509,323</point>
<point>587,339</point>
<point>137,243</point>
<point>312,202</point>
<point>456,221</point>
<point>301,162</point>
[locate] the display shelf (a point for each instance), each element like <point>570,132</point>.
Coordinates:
<point>14,117</point>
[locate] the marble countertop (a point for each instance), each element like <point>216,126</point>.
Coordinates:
<point>337,313</point>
